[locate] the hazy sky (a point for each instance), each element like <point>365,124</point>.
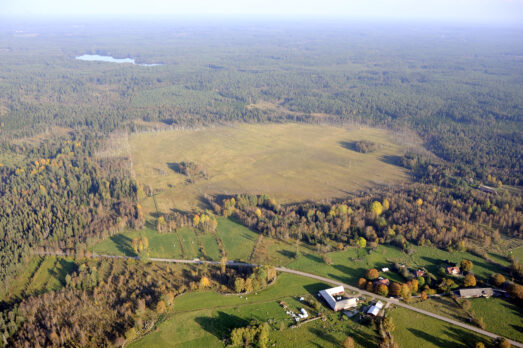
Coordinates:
<point>503,11</point>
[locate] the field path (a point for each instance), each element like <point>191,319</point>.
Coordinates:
<point>320,278</point>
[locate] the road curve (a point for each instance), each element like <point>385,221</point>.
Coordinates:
<point>320,278</point>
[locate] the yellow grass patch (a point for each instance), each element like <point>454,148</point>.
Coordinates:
<point>291,162</point>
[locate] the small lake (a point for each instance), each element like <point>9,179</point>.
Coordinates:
<point>109,59</point>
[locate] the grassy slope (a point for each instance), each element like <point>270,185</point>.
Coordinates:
<point>417,330</point>
<point>500,316</point>
<point>210,246</point>
<point>238,239</point>
<point>291,162</point>
<point>160,245</point>
<point>204,318</point>
<point>351,264</point>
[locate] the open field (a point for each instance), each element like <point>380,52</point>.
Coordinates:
<point>203,319</point>
<point>160,245</point>
<point>500,316</point>
<point>237,239</point>
<point>416,330</point>
<point>291,162</point>
<point>41,274</point>
<point>349,265</point>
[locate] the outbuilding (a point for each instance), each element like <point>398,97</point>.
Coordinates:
<point>337,300</point>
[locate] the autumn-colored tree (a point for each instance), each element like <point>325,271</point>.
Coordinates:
<point>258,212</point>
<point>503,343</point>
<point>271,273</point>
<point>382,290</point>
<point>415,286</point>
<point>372,274</point>
<point>498,279</point>
<point>395,289</point>
<point>466,265</point>
<point>326,259</point>
<point>469,280</point>
<point>515,291</point>
<point>248,285</point>
<point>479,345</point>
<point>223,264</point>
<point>376,208</point>
<point>169,298</point>
<point>348,342</point>
<point>361,242</point>
<point>239,284</point>
<point>369,287</point>
<point>160,307</point>
<point>204,282</point>
<point>160,224</point>
<point>423,295</point>
<point>405,292</point>
<point>361,283</point>
<point>196,220</point>
<point>386,204</point>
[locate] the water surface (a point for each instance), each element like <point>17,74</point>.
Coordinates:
<point>109,59</point>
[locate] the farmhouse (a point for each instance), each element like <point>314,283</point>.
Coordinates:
<point>383,281</point>
<point>419,273</point>
<point>479,292</point>
<point>336,299</point>
<point>453,270</point>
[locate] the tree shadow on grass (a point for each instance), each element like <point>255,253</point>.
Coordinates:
<point>123,244</point>
<point>349,145</point>
<point>313,257</point>
<point>314,289</point>
<point>287,253</point>
<point>63,268</point>
<point>221,325</point>
<point>324,336</point>
<point>392,159</point>
<point>352,275</point>
<point>437,341</point>
<point>448,308</point>
<point>467,338</point>
<point>363,340</point>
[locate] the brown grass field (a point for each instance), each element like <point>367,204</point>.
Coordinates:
<point>290,162</point>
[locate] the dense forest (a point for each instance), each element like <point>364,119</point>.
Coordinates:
<point>58,196</point>
<point>421,214</point>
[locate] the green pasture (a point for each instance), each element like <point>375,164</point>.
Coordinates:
<point>414,330</point>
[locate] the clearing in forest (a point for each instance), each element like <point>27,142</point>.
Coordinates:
<point>290,162</point>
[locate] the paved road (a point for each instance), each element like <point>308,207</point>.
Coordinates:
<point>323,279</point>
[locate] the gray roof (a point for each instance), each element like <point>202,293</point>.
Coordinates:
<point>476,292</point>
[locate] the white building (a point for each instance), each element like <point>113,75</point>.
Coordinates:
<point>343,302</point>
<point>375,310</point>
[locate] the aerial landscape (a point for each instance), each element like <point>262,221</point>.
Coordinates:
<point>276,174</point>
